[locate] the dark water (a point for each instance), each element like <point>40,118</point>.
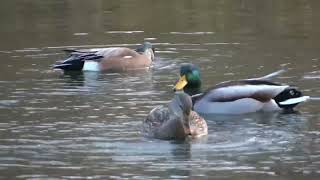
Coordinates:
<point>87,125</point>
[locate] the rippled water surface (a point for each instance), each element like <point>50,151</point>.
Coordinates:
<point>87,125</point>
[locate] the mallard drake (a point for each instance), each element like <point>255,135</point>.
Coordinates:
<point>175,120</point>
<point>237,97</point>
<point>108,59</point>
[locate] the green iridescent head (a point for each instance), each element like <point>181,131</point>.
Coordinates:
<point>190,79</point>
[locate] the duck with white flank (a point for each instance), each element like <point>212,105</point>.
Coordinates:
<point>237,97</point>
<point>175,120</point>
<point>108,59</point>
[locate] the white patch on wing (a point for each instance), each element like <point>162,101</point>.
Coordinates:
<point>91,66</point>
<point>294,100</point>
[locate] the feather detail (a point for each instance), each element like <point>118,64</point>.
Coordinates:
<point>174,120</point>
<point>261,93</point>
<point>198,126</point>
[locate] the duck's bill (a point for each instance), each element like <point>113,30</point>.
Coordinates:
<point>295,100</point>
<point>181,83</point>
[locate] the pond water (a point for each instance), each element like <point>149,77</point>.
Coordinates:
<point>87,125</point>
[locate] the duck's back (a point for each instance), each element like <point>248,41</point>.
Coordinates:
<point>117,52</point>
<point>155,119</point>
<point>234,90</point>
<point>163,123</point>
<point>238,97</point>
<point>123,59</point>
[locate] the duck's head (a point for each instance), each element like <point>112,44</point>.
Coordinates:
<point>147,49</point>
<point>190,79</point>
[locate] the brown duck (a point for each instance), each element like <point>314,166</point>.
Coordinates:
<point>108,59</point>
<point>175,120</point>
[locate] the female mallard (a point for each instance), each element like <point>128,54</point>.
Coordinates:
<point>108,59</point>
<point>237,97</point>
<point>175,121</point>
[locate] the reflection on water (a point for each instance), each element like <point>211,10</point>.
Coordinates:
<point>87,124</point>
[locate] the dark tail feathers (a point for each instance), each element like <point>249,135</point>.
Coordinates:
<point>76,60</point>
<point>287,94</point>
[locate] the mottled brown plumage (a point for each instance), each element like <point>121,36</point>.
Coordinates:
<point>174,121</point>
<point>198,126</point>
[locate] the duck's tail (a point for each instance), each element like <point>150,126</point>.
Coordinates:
<point>289,98</point>
<point>76,60</point>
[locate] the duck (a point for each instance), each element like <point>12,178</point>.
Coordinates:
<point>175,120</point>
<point>238,96</point>
<point>108,59</point>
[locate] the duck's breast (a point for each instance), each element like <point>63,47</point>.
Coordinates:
<point>198,126</point>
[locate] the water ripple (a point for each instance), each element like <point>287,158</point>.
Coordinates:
<point>88,125</point>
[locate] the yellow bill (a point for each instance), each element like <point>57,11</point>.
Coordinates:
<point>181,83</point>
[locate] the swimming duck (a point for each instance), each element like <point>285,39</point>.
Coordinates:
<point>175,120</point>
<point>108,59</point>
<point>237,97</point>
